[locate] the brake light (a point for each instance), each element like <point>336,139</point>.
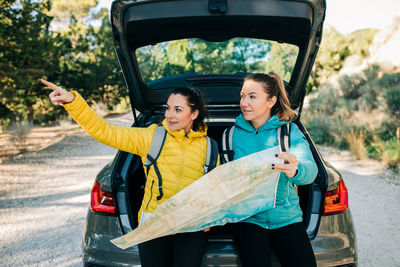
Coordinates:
<point>337,200</point>
<point>102,201</point>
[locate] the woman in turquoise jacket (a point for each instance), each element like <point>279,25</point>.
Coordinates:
<point>265,107</point>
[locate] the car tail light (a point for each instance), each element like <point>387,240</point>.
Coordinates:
<point>337,200</point>
<point>102,201</point>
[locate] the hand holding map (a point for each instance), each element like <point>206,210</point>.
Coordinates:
<point>231,192</point>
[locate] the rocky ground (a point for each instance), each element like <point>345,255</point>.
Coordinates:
<point>44,196</point>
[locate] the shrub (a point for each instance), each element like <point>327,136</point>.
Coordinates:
<point>387,130</point>
<point>356,142</point>
<point>386,151</point>
<point>372,72</point>
<point>350,85</point>
<point>323,102</point>
<point>319,128</point>
<point>327,130</point>
<point>392,99</point>
<point>18,135</point>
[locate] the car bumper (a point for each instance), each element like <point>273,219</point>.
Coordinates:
<point>335,244</point>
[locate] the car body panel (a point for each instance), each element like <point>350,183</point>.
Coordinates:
<point>335,244</point>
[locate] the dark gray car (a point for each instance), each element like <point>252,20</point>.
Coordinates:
<point>212,45</point>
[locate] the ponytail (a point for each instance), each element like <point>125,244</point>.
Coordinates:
<point>273,85</point>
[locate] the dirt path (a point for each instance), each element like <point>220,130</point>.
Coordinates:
<point>44,198</point>
<point>374,197</point>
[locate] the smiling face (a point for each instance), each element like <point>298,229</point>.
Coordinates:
<point>179,114</point>
<point>255,103</point>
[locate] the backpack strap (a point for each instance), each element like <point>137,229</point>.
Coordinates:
<point>283,135</point>
<point>227,147</point>
<point>154,152</point>
<point>212,155</point>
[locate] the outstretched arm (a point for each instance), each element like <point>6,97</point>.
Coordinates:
<point>129,139</point>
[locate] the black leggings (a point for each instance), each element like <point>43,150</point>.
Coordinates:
<point>180,250</point>
<point>291,244</point>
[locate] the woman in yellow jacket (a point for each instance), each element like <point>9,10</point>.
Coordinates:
<point>180,163</point>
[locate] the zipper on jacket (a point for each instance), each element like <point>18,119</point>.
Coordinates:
<point>180,178</point>
<point>151,194</point>
<point>257,141</point>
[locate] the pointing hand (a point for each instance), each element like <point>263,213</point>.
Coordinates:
<point>59,96</point>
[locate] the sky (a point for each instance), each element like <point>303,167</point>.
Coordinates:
<point>350,15</point>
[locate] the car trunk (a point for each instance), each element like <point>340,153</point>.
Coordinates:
<point>138,24</point>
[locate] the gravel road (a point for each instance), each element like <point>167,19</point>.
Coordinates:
<point>44,197</point>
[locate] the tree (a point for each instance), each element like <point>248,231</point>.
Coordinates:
<point>89,64</point>
<point>28,52</point>
<point>282,58</point>
<point>66,12</point>
<point>335,49</point>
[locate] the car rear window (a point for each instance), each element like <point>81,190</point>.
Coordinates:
<point>201,57</point>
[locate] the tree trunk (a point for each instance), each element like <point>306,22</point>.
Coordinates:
<point>30,114</point>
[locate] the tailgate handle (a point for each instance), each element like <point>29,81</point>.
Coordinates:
<point>217,6</point>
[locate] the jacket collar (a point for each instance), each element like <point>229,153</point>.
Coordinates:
<point>272,123</point>
<point>181,132</point>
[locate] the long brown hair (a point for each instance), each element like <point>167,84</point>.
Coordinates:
<point>273,85</point>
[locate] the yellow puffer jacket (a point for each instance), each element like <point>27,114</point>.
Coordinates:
<point>180,162</point>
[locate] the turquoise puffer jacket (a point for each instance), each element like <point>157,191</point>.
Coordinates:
<point>247,140</point>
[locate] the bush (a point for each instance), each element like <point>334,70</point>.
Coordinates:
<point>356,142</point>
<point>386,151</point>
<point>18,135</point>
<point>350,86</point>
<point>320,128</point>
<point>364,119</point>
<point>392,99</point>
<point>372,72</point>
<point>327,130</point>
<point>388,129</point>
<point>322,103</point>
<point>373,92</point>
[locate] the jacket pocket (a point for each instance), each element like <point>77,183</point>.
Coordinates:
<point>282,195</point>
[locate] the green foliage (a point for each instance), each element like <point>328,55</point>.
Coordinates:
<point>76,56</point>
<point>282,60</point>
<point>386,151</point>
<point>89,64</point>
<point>392,99</point>
<point>388,129</point>
<point>335,49</point>
<point>323,102</point>
<point>362,115</point>
<point>350,86</point>
<point>199,56</point>
<point>68,12</point>
<point>26,41</point>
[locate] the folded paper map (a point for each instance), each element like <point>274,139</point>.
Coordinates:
<point>231,192</point>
